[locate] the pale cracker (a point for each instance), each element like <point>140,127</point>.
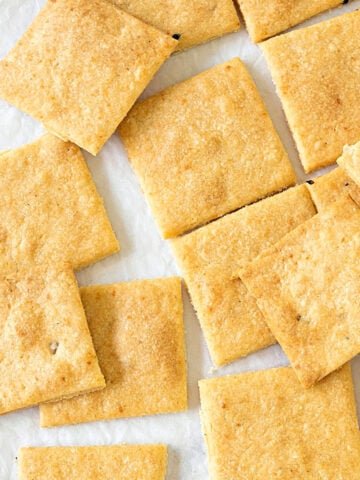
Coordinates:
<point>350,162</point>
<point>266,19</point>
<point>80,66</point>
<point>210,259</point>
<point>316,71</point>
<point>196,21</point>
<point>205,147</point>
<point>50,209</point>
<point>125,462</point>
<point>46,351</point>
<point>264,425</point>
<point>137,329</point>
<point>308,289</point>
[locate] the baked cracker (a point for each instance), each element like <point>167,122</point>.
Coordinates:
<point>315,70</point>
<point>137,329</point>
<point>125,462</point>
<point>79,68</point>
<point>264,425</point>
<point>50,209</point>
<point>205,147</point>
<point>210,259</point>
<point>308,288</point>
<point>46,351</point>
<point>266,19</point>
<point>192,21</point>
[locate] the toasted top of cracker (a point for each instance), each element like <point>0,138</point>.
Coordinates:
<point>80,66</point>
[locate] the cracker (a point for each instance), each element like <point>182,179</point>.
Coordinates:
<point>210,259</point>
<point>318,67</point>
<point>205,147</point>
<point>46,351</point>
<point>264,425</point>
<point>196,21</point>
<point>137,329</point>
<point>266,19</point>
<point>307,286</point>
<point>125,462</point>
<point>50,209</point>
<point>80,67</point>
<point>350,162</point>
<point>331,187</point>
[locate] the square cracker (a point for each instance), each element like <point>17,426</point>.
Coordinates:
<point>331,187</point>
<point>264,425</point>
<point>197,21</point>
<point>205,147</point>
<point>50,209</point>
<point>46,351</point>
<point>308,288</point>
<point>137,329</point>
<point>125,462</point>
<point>210,259</point>
<point>319,67</point>
<point>266,19</point>
<point>80,67</point>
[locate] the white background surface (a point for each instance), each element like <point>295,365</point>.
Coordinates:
<point>143,255</point>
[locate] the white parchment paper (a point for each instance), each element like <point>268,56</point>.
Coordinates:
<point>143,255</point>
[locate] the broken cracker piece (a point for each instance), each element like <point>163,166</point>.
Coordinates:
<point>308,289</point>
<point>137,329</point>
<point>264,425</point>
<point>315,70</point>
<point>210,259</point>
<point>79,68</point>
<point>125,462</point>
<point>204,148</point>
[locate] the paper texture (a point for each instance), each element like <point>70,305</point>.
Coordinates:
<point>143,255</point>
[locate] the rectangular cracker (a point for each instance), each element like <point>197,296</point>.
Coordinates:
<point>125,462</point>
<point>264,425</point>
<point>318,66</point>
<point>196,21</point>
<point>210,259</point>
<point>138,333</point>
<point>207,141</point>
<point>80,67</point>
<point>50,210</point>
<point>46,351</point>
<point>266,19</point>
<point>308,285</point>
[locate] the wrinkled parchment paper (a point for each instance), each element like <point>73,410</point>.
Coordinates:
<point>143,255</point>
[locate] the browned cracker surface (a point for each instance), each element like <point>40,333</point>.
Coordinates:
<point>80,67</point>
<point>210,259</point>
<point>138,334</point>
<point>308,288</point>
<point>264,425</point>
<point>266,19</point>
<point>205,147</point>
<point>125,462</point>
<point>316,71</point>
<point>196,21</point>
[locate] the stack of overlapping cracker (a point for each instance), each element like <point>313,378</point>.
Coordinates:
<point>259,270</point>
